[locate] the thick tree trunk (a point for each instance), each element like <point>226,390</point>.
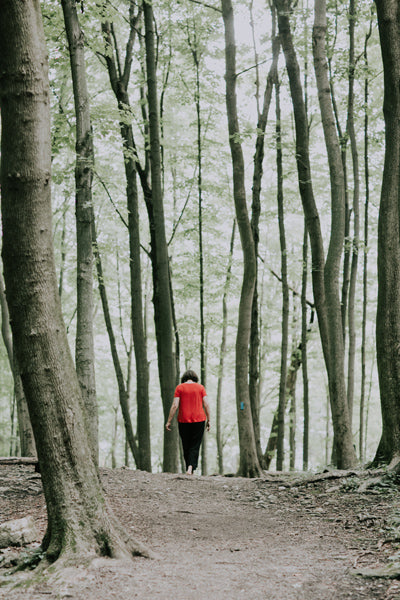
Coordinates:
<point>162,296</point>
<point>249,465</point>
<point>84,344</point>
<point>388,310</point>
<point>79,519</point>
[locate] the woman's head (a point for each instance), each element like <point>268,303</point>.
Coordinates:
<point>189,375</point>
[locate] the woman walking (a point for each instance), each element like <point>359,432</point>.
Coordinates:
<point>194,414</point>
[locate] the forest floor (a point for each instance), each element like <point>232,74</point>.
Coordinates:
<point>224,538</point>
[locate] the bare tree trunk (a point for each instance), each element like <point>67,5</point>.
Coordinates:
<point>119,80</point>
<point>249,465</point>
<point>280,455</point>
<point>161,282</point>
<point>80,522</point>
<point>123,392</point>
<point>222,353</point>
<point>291,392</point>
<point>295,364</point>
<point>356,214</point>
<point>304,359</point>
<point>325,276</point>
<point>84,344</point>
<point>196,55</point>
<point>26,439</point>
<point>365,251</point>
<point>344,450</point>
<point>254,350</point>
<point>388,310</point>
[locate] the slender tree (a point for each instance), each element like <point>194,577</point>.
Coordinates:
<point>123,388</point>
<point>365,250</point>
<point>26,439</point>
<point>280,455</point>
<point>388,310</point>
<point>355,212</point>
<point>119,75</point>
<point>262,119</point>
<point>325,276</point>
<point>249,464</point>
<point>84,346</point>
<point>303,350</point>
<point>80,522</point>
<point>160,261</point>
<point>222,354</point>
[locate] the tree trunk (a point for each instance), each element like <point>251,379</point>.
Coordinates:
<point>325,277</point>
<point>356,215</point>
<point>280,455</point>
<point>295,364</point>
<point>196,60</point>
<point>388,310</point>
<point>84,344</point>
<point>80,522</point>
<point>119,83</point>
<point>344,449</point>
<point>123,392</point>
<point>160,262</point>
<point>222,352</point>
<point>365,251</point>
<point>254,351</point>
<point>26,439</point>
<point>304,358</point>
<point>249,465</point>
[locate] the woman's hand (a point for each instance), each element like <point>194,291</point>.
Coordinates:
<point>208,425</point>
<point>168,426</point>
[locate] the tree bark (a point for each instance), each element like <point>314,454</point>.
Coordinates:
<point>26,439</point>
<point>362,420</point>
<point>160,261</point>
<point>80,522</point>
<point>222,353</point>
<point>290,384</point>
<point>344,448</point>
<point>119,82</point>
<point>280,455</point>
<point>254,376</point>
<point>249,464</point>
<point>304,357</point>
<point>388,310</point>
<point>84,343</point>
<point>123,391</point>
<point>356,214</point>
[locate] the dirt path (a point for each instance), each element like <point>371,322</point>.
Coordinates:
<point>218,538</point>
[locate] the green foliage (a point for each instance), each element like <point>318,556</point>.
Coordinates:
<point>189,34</point>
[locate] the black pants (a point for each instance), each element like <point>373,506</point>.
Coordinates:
<point>191,436</point>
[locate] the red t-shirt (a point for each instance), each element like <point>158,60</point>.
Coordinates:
<point>190,402</point>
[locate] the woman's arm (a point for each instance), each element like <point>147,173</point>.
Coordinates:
<point>174,408</point>
<point>206,407</point>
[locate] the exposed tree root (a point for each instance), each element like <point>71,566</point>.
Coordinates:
<point>391,571</point>
<point>18,460</point>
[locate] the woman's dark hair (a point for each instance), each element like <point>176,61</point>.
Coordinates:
<point>189,375</point>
